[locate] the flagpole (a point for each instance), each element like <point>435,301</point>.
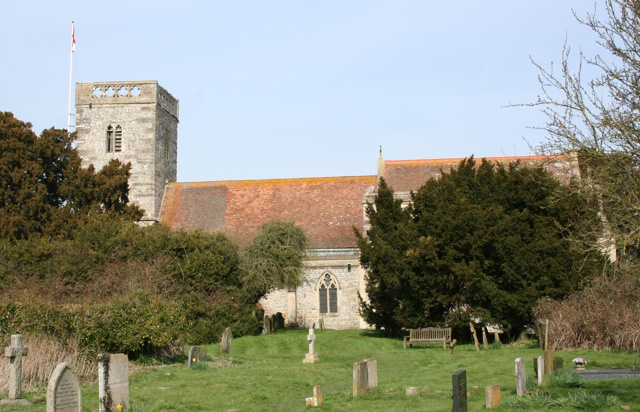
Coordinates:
<point>73,46</point>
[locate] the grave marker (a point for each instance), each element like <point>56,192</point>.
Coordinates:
<point>541,371</point>
<point>317,393</point>
<point>360,378</point>
<point>266,326</point>
<point>492,396</point>
<point>459,380</point>
<point>484,338</point>
<point>194,356</point>
<point>521,382</point>
<point>475,337</point>
<point>225,344</point>
<point>63,391</point>
<point>372,372</point>
<point>113,381</point>
<point>412,390</point>
<point>15,353</point>
<point>312,356</point>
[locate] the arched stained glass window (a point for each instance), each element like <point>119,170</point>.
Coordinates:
<point>328,295</point>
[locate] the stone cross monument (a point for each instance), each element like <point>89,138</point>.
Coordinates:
<point>15,352</point>
<point>311,357</point>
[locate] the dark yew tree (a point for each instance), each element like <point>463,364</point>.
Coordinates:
<point>482,242</point>
<point>43,188</point>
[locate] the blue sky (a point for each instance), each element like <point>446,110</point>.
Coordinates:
<point>277,89</point>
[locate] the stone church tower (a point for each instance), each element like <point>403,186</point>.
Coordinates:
<point>134,122</point>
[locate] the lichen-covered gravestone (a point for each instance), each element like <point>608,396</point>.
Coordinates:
<point>15,352</point>
<point>360,378</point>
<point>372,372</point>
<point>225,344</point>
<point>113,381</point>
<point>521,381</point>
<point>195,356</point>
<point>63,391</point>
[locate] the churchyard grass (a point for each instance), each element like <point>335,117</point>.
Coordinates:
<point>266,373</point>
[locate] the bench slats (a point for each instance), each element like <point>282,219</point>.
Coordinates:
<point>428,335</point>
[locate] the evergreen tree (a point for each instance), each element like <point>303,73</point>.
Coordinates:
<point>482,242</point>
<point>43,188</point>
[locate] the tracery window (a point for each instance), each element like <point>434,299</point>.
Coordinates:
<point>328,294</point>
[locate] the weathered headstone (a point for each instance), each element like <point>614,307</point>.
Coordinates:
<point>313,401</point>
<point>321,324</point>
<point>360,378</point>
<point>548,362</point>
<point>412,390</point>
<point>496,336</point>
<point>113,381</point>
<point>459,380</point>
<point>492,396</point>
<point>278,321</point>
<point>194,356</point>
<point>225,344</point>
<point>484,338</point>
<point>452,345</point>
<point>521,381</point>
<point>372,372</point>
<point>266,326</point>
<point>475,337</point>
<point>63,391</point>
<point>317,393</point>
<point>312,356</point>
<point>540,370</point>
<point>15,353</point>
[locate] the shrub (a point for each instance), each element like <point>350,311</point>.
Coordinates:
<point>604,315</point>
<point>564,379</point>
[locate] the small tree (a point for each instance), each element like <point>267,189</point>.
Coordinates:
<point>598,119</point>
<point>275,258</point>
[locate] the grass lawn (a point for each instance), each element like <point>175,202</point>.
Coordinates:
<point>266,373</point>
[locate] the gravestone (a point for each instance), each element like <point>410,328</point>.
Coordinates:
<point>321,324</point>
<point>484,338</point>
<point>317,393</point>
<point>496,337</point>
<point>521,382</point>
<point>548,362</point>
<point>113,381</point>
<point>225,344</point>
<point>312,356</point>
<point>475,337</point>
<point>15,353</point>
<point>372,372</point>
<point>196,355</point>
<point>63,391</point>
<point>360,378</point>
<point>412,390</point>
<point>278,321</point>
<point>540,370</point>
<point>266,326</point>
<point>459,380</point>
<point>492,396</point>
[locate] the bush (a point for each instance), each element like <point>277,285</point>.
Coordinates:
<point>564,379</point>
<point>604,315</point>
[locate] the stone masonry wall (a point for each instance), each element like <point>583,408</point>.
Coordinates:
<point>350,282</point>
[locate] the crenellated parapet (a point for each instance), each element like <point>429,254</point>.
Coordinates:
<point>119,93</point>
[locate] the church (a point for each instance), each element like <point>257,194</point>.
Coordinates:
<point>137,122</point>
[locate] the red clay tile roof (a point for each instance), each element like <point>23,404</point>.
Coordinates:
<point>407,175</point>
<point>326,208</point>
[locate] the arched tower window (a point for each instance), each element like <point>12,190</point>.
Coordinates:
<point>109,139</point>
<point>328,294</point>
<point>117,144</point>
<point>114,139</point>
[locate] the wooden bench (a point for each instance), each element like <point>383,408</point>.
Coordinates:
<point>427,336</point>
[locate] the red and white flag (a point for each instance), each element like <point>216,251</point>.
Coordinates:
<point>73,37</point>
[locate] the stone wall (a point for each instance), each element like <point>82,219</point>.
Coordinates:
<point>302,306</point>
<point>148,116</point>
